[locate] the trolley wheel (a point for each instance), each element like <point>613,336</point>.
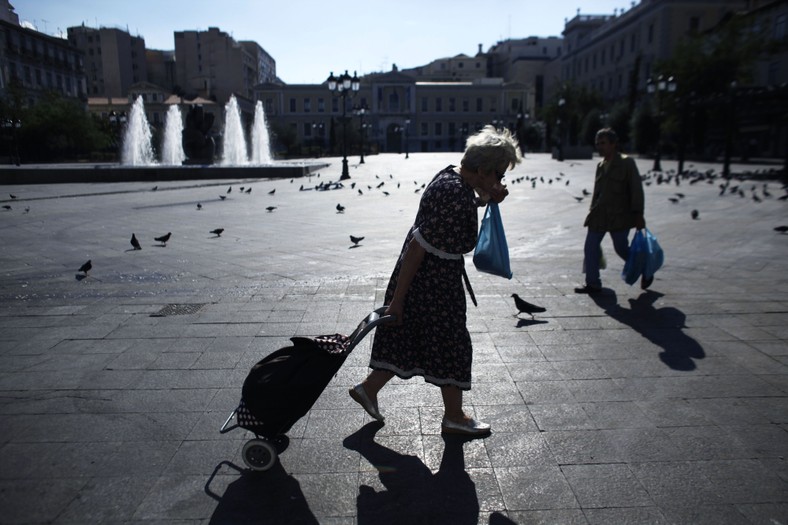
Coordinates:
<point>259,455</point>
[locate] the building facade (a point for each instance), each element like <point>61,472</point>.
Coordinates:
<point>614,54</point>
<point>36,62</point>
<point>114,59</point>
<point>212,65</point>
<point>400,112</point>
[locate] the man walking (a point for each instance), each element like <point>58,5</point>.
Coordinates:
<point>616,207</point>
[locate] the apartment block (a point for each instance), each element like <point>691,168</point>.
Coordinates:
<point>37,62</point>
<point>114,59</point>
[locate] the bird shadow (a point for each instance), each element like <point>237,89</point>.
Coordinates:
<point>663,327</point>
<point>158,245</point>
<point>270,497</point>
<point>354,247</point>
<point>529,322</point>
<point>131,250</point>
<point>413,493</point>
<point>79,277</point>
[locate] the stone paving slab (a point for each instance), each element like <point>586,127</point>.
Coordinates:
<point>667,406</point>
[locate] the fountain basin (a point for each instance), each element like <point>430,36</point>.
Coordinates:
<point>65,173</point>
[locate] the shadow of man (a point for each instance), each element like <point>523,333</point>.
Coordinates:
<point>413,494</point>
<point>662,326</point>
<point>271,497</point>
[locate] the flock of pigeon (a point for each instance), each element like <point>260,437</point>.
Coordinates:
<point>741,186</point>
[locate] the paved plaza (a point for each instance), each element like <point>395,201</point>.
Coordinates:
<point>657,407</point>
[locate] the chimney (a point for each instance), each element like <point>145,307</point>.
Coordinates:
<point>480,50</point>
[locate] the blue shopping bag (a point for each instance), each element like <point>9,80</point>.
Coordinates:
<point>645,257</point>
<point>492,252</point>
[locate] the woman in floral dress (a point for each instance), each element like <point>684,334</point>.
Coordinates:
<point>426,294</point>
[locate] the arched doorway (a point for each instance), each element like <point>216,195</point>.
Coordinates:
<point>394,138</point>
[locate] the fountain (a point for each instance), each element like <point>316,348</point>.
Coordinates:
<point>172,145</point>
<point>261,147</point>
<point>137,150</point>
<point>233,141</point>
<point>190,158</point>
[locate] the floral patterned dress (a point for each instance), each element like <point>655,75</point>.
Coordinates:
<point>433,341</point>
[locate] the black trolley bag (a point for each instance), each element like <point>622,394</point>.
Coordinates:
<point>282,387</point>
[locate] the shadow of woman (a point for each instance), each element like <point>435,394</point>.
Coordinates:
<point>413,494</point>
<point>271,497</point>
<point>662,326</point>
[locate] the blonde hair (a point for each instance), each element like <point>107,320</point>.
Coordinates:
<point>490,148</point>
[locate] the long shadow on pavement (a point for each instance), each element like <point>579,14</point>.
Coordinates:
<point>272,497</point>
<point>662,326</point>
<point>413,493</point>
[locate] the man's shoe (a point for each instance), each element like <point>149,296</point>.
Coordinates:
<point>588,289</point>
<point>471,427</point>
<point>645,283</point>
<point>359,395</point>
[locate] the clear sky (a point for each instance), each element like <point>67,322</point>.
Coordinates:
<point>310,38</point>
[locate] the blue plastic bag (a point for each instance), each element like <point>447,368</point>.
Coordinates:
<point>492,252</point>
<point>645,257</point>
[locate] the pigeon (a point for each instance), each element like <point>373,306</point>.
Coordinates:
<point>163,239</point>
<point>270,208</point>
<point>241,188</point>
<point>386,193</point>
<point>356,240</point>
<point>217,232</point>
<point>578,199</point>
<point>85,268</point>
<point>248,190</point>
<point>526,307</point>
<point>154,188</point>
<point>222,197</point>
<point>360,192</point>
<point>12,196</point>
<point>272,191</point>
<point>679,195</point>
<point>7,206</point>
<point>27,209</point>
<point>781,229</point>
<point>229,189</point>
<point>135,243</point>
<point>199,206</point>
<point>674,200</point>
<point>340,208</point>
<point>695,215</point>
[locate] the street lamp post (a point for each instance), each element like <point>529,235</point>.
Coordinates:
<point>561,104</point>
<point>345,86</point>
<point>360,111</point>
<point>407,138</point>
<point>731,119</point>
<point>658,88</point>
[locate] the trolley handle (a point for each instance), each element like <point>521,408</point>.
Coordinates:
<point>371,321</point>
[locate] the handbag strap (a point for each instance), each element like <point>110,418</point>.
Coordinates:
<point>468,284</point>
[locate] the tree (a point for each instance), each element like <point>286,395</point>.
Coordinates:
<point>58,129</point>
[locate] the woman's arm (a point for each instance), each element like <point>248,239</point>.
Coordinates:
<point>411,262</point>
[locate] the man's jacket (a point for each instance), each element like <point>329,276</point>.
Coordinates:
<point>618,195</point>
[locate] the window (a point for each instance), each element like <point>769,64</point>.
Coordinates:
<point>321,105</point>
<point>452,104</point>
<point>307,129</point>
<point>424,129</point>
<point>779,27</point>
<point>466,107</point>
<point>394,102</point>
<point>438,129</point>
<point>424,104</point>
<point>438,105</point>
<point>307,105</point>
<point>292,105</point>
<point>650,33</point>
<point>515,104</point>
<point>479,104</point>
